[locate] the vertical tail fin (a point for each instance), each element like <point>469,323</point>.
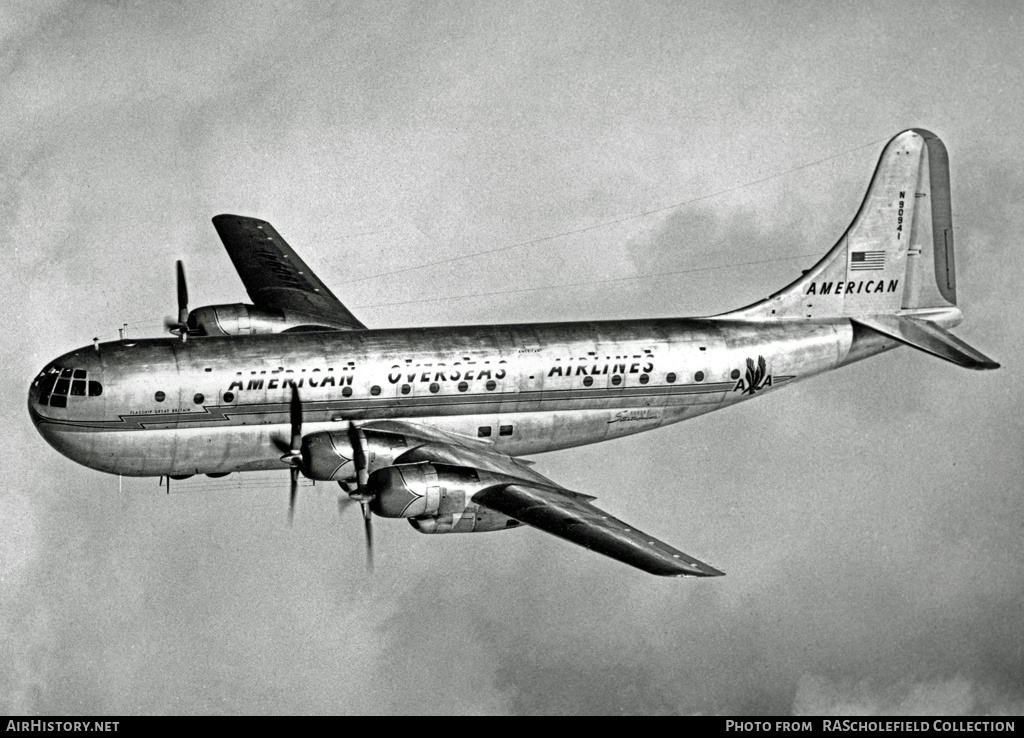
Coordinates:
<point>892,272</point>
<point>896,256</point>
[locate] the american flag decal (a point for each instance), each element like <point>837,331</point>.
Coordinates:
<point>867,261</point>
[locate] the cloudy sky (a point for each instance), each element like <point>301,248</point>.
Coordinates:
<point>870,521</point>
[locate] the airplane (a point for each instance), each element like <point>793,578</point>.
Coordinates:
<point>432,424</point>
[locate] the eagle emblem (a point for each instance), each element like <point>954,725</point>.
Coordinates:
<point>757,377</point>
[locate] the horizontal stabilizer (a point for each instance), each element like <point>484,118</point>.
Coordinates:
<point>929,338</point>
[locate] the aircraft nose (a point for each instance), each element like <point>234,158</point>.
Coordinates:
<point>62,382</point>
<point>66,389</point>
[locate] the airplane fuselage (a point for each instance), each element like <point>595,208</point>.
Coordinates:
<point>153,407</point>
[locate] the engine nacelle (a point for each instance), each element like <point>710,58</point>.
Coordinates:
<point>249,320</point>
<point>327,456</point>
<point>437,498</point>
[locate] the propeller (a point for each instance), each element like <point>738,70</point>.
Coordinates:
<point>293,456</point>
<point>180,328</point>
<point>360,494</point>
<point>357,439</point>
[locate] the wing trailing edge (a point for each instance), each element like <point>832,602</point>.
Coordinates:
<point>573,518</point>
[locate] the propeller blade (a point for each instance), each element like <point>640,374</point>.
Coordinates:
<point>294,455</point>
<point>294,492</point>
<point>295,414</point>
<point>368,525</point>
<point>182,295</point>
<point>180,328</point>
<point>357,439</point>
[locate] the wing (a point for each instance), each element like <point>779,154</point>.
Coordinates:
<point>531,498</point>
<point>576,520</point>
<point>274,275</point>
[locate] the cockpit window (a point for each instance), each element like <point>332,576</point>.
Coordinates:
<point>57,383</point>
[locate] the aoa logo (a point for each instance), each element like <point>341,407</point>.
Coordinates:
<point>757,377</point>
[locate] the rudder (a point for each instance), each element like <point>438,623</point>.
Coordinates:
<point>931,271</point>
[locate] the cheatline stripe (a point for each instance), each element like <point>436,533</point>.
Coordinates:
<point>214,416</point>
<point>217,415</point>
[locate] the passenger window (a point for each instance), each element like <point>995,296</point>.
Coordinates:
<point>483,431</point>
<point>505,430</point>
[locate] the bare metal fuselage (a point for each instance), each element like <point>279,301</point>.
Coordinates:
<point>217,405</point>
